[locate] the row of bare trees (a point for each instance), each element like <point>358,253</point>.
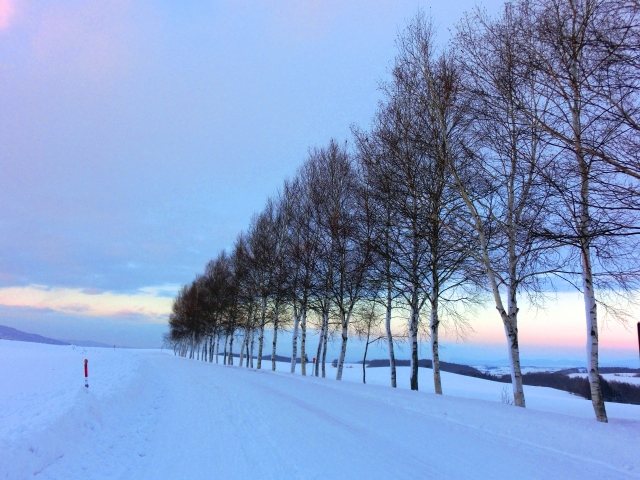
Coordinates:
<point>505,163</point>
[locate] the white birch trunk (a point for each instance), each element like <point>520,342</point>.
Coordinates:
<point>275,339</point>
<point>584,229</point>
<point>242,347</point>
<point>253,337</point>
<point>593,368</point>
<point>343,348</point>
<point>320,342</point>
<point>392,358</point>
<point>509,320</point>
<point>413,337</point>
<point>294,345</point>
<point>324,349</point>
<point>435,353</point>
<point>303,341</point>
<point>261,339</point>
<point>511,330</point>
<point>246,347</point>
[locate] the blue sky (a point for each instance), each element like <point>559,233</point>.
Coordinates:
<point>138,138</point>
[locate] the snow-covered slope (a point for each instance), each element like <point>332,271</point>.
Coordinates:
<point>150,415</point>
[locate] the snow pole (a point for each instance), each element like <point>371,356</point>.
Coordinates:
<point>86,373</point>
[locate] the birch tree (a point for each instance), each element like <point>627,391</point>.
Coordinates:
<point>502,187</point>
<point>596,218</point>
<point>336,195</point>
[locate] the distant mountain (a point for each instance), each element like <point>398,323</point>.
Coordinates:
<point>8,333</point>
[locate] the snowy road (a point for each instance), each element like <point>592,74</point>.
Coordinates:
<point>175,418</point>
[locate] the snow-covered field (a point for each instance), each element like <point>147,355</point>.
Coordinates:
<point>525,369</point>
<point>616,377</point>
<point>150,415</point>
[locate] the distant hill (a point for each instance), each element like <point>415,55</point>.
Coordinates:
<point>279,358</point>
<point>425,363</point>
<point>8,333</point>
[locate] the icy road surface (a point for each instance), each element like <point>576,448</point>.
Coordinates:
<point>150,415</point>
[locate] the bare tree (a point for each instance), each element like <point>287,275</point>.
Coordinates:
<point>596,219</point>
<point>368,323</point>
<point>496,157</point>
<point>404,163</point>
<point>335,191</point>
<point>371,151</point>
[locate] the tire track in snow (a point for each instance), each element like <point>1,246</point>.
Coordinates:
<point>482,428</point>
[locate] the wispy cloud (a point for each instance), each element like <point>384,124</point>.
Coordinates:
<point>152,303</point>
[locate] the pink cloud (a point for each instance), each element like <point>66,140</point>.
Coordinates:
<point>76,301</point>
<point>7,13</point>
<point>89,40</point>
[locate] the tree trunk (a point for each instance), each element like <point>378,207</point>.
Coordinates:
<point>392,358</point>
<point>217,348</point>
<point>303,341</point>
<point>511,330</point>
<point>413,338</point>
<point>592,339</point>
<point>364,358</point>
<point>226,339</point>
<point>246,347</point>
<point>320,343</point>
<point>261,339</point>
<point>275,339</point>
<point>509,320</point>
<point>294,345</point>
<point>343,348</point>
<point>324,350</point>
<point>316,365</point>
<point>244,342</point>
<point>230,362</point>
<point>253,337</point>
<point>435,355</point>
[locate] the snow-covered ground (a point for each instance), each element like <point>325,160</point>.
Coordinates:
<point>150,415</point>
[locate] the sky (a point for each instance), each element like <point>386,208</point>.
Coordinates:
<point>138,138</point>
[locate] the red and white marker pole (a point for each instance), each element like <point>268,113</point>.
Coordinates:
<point>86,373</point>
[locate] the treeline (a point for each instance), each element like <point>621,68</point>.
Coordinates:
<point>501,165</point>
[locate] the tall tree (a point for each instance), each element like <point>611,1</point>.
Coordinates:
<point>335,191</point>
<point>596,218</point>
